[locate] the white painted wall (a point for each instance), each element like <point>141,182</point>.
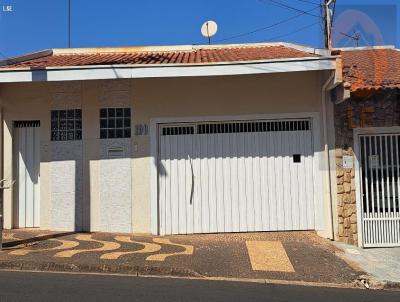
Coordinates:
<point>115,186</point>
<point>149,99</point>
<point>66,183</point>
<point>66,175</point>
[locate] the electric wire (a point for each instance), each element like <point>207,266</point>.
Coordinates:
<point>265,27</point>
<point>310,2</point>
<point>284,5</point>
<point>293,32</point>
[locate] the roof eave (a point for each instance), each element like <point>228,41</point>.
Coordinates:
<point>374,89</point>
<point>27,57</point>
<point>288,60</point>
<point>71,73</point>
<point>360,48</point>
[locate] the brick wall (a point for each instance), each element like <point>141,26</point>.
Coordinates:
<point>374,110</point>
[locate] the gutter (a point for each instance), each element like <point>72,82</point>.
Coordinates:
<point>328,183</point>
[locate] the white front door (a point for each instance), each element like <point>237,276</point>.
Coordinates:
<point>236,177</point>
<point>27,156</point>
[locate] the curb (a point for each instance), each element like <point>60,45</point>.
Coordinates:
<point>390,285</point>
<point>152,272</point>
<point>370,282</point>
<point>97,268</point>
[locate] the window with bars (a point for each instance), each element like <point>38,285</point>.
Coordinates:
<point>238,127</point>
<point>26,124</point>
<point>115,123</point>
<point>257,126</point>
<point>66,125</point>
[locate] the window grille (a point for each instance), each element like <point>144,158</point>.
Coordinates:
<point>256,126</point>
<point>26,124</point>
<point>184,130</point>
<point>238,127</point>
<point>66,125</point>
<point>115,123</point>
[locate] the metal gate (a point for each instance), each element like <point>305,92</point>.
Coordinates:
<point>380,189</point>
<point>27,155</point>
<point>236,176</point>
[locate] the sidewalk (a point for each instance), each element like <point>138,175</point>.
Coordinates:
<point>381,263</point>
<point>289,256</point>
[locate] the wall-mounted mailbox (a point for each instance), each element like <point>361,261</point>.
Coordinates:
<point>347,162</point>
<point>374,161</point>
<point>115,152</point>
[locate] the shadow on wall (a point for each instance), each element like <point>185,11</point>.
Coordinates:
<point>377,110</point>
<point>373,109</point>
<point>237,140</point>
<point>67,202</point>
<point>39,75</point>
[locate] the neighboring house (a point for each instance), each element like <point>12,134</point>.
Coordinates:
<point>168,140</point>
<point>367,123</point>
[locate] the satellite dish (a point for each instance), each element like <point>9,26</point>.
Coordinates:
<point>209,29</point>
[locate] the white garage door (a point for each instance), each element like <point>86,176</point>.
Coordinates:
<point>236,177</point>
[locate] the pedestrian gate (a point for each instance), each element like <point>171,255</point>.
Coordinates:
<point>27,155</point>
<point>380,189</point>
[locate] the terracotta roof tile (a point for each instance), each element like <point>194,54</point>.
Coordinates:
<point>194,56</point>
<point>371,69</point>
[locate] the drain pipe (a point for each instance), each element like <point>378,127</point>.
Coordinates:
<point>1,177</point>
<point>328,182</point>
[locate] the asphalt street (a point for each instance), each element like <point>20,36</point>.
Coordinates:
<point>26,286</point>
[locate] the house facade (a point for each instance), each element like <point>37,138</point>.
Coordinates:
<point>180,140</point>
<point>367,126</point>
<point>205,139</point>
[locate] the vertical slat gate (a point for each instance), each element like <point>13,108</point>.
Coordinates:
<point>380,189</point>
<point>236,177</point>
<point>27,152</point>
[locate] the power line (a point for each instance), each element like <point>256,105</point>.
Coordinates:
<point>283,5</point>
<point>309,2</point>
<point>293,32</point>
<point>3,55</point>
<point>265,27</point>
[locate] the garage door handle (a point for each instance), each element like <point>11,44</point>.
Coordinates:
<point>192,185</point>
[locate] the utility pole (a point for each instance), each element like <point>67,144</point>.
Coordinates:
<point>69,23</point>
<point>329,6</point>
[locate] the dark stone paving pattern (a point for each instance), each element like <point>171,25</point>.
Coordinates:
<point>219,255</point>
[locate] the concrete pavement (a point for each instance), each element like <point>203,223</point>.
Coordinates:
<point>43,287</point>
<point>288,256</point>
<point>381,263</point>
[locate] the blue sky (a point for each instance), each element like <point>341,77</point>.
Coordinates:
<point>38,24</point>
